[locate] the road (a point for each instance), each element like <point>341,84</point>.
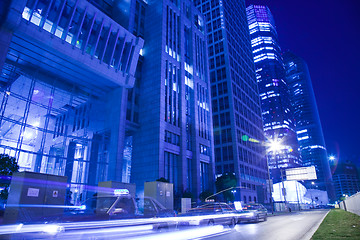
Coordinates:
<point>290,226</point>
<point>294,226</point>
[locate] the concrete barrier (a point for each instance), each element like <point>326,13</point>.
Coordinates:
<point>351,204</point>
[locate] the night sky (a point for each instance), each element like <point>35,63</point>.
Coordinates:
<point>326,34</point>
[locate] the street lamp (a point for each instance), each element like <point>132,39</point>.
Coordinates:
<point>273,146</point>
<point>233,192</point>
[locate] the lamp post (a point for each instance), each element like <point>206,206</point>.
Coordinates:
<point>345,196</point>
<point>270,188</point>
<point>297,195</point>
<point>273,146</point>
<point>283,187</point>
<point>312,200</point>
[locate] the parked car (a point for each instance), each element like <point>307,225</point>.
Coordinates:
<point>209,214</point>
<point>252,212</point>
<point>98,210</point>
<point>110,207</point>
<point>150,207</point>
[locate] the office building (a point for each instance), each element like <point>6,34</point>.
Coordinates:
<point>238,131</point>
<point>279,126</point>
<point>83,96</point>
<point>308,126</point>
<point>346,179</point>
<point>174,137</point>
<point>65,70</point>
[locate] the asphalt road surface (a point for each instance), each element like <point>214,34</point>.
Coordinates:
<point>290,226</point>
<point>293,226</point>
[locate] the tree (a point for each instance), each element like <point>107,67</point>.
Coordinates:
<point>8,166</point>
<point>162,179</point>
<point>225,181</point>
<point>203,195</point>
<point>187,194</point>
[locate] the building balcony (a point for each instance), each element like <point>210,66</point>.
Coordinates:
<point>72,40</point>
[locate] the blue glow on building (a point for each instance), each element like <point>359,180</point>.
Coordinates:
<point>172,137</point>
<point>308,125</point>
<point>65,70</point>
<point>276,107</point>
<point>236,113</point>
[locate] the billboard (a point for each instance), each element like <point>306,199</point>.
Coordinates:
<point>302,173</point>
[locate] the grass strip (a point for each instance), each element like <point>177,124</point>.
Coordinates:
<point>339,224</point>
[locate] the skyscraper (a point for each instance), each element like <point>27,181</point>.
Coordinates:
<point>174,136</point>
<point>276,107</point>
<point>75,101</point>
<point>238,132</point>
<point>308,126</point>
<point>65,70</point>
<point>346,179</point>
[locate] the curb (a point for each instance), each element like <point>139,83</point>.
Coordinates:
<point>308,235</point>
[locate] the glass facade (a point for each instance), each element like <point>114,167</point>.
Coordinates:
<point>237,123</point>
<point>346,179</point>
<point>174,136</point>
<point>65,67</point>
<point>277,115</point>
<point>308,126</point>
<point>50,128</point>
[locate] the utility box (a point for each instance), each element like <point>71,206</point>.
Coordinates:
<point>108,187</point>
<point>33,196</point>
<point>185,205</point>
<point>161,191</point>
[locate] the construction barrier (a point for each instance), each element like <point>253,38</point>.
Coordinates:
<point>351,204</point>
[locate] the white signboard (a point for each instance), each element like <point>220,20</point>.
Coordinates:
<point>237,205</point>
<point>302,173</point>
<point>33,192</point>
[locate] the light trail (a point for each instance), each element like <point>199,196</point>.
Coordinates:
<point>43,206</point>
<point>123,227</point>
<point>196,233</point>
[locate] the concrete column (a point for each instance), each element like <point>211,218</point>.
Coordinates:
<point>70,160</point>
<point>93,164</point>
<point>116,118</point>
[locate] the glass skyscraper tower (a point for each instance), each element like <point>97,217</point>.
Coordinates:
<point>172,136</point>
<point>279,127</point>
<point>238,131</point>
<point>308,126</point>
